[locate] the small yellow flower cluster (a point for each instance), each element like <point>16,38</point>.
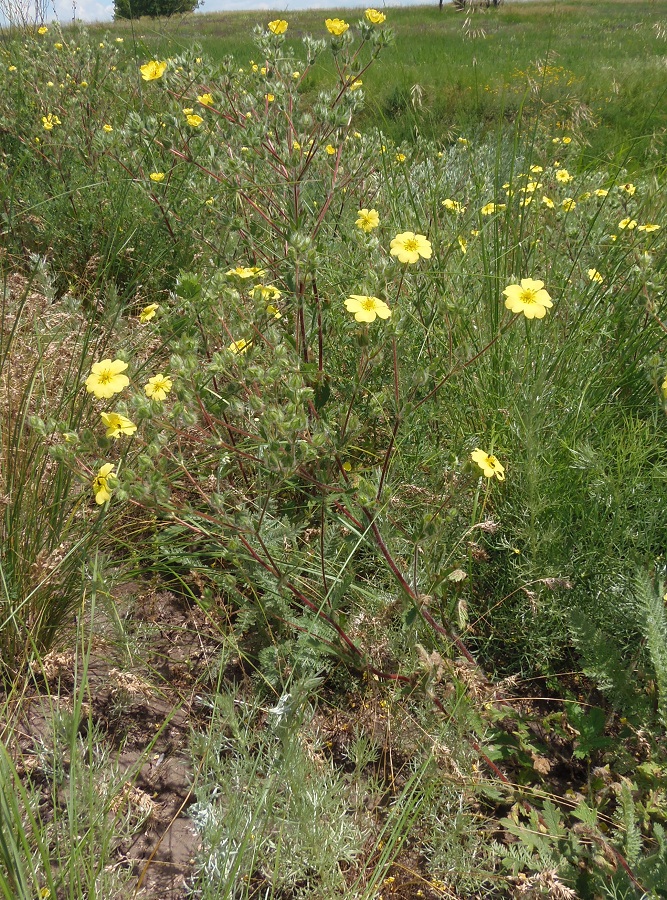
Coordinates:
<point>49,121</point>
<point>106,379</point>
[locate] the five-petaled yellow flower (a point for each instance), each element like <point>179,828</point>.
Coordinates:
<point>49,121</point>
<point>568,204</point>
<point>629,188</point>
<point>240,346</point>
<point>548,202</point>
<point>152,70</point>
<point>368,219</point>
<point>148,312</point>
<point>246,272</point>
<point>331,150</point>
<point>627,223</point>
<point>488,464</point>
<point>158,387</point>
<point>374,16</point>
<point>194,120</point>
<point>648,228</point>
<point>601,192</point>
<point>564,176</point>
<point>108,128</point>
<point>528,298</point>
<point>117,425</point>
<point>42,29</point>
<point>278,26</point>
<point>453,205</point>
<point>595,276</point>
<point>101,487</point>
<point>367,309</point>
<point>336,26</point>
<point>106,378</point>
<point>408,247</point>
<point>157,177</point>
<point>205,99</point>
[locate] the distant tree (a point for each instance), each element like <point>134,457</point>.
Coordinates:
<point>133,9</point>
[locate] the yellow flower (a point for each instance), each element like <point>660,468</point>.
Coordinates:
<point>11,69</point>
<point>528,298</point>
<point>101,487</point>
<point>42,29</point>
<point>205,99</point>
<point>330,150</point>
<point>119,40</point>
<point>648,228</point>
<point>453,206</point>
<point>148,312</point>
<point>157,177</point>
<point>158,387</point>
<point>107,128</point>
<point>463,244</point>
<point>83,84</point>
<point>58,45</point>
<point>274,311</point>
<point>664,388</point>
<point>601,192</point>
<point>356,84</point>
<point>246,272</point>
<point>105,378</point>
<point>548,202</point>
<point>269,98</point>
<point>49,121</point>
<point>266,292</point>
<point>567,140</point>
<point>278,26</point>
<point>564,176</point>
<point>152,70</point>
<point>188,111</point>
<point>489,208</point>
<point>594,275</point>
<point>628,223</point>
<point>368,219</point>
<point>408,247</point>
<point>194,120</point>
<point>488,464</point>
<point>367,309</point>
<point>117,425</point>
<point>400,157</point>
<point>238,347</point>
<point>536,169</point>
<point>296,75</point>
<point>568,204</point>
<point>525,201</point>
<point>374,16</point>
<point>336,26</point>
<point>629,188</point>
<point>532,186</point>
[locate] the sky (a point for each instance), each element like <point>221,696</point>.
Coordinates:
<point>100,10</point>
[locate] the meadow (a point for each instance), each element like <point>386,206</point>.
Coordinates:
<point>333,455</point>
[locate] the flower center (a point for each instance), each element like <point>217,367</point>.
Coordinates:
<point>105,377</point>
<point>491,462</point>
<point>528,295</point>
<point>368,304</point>
<point>410,245</point>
